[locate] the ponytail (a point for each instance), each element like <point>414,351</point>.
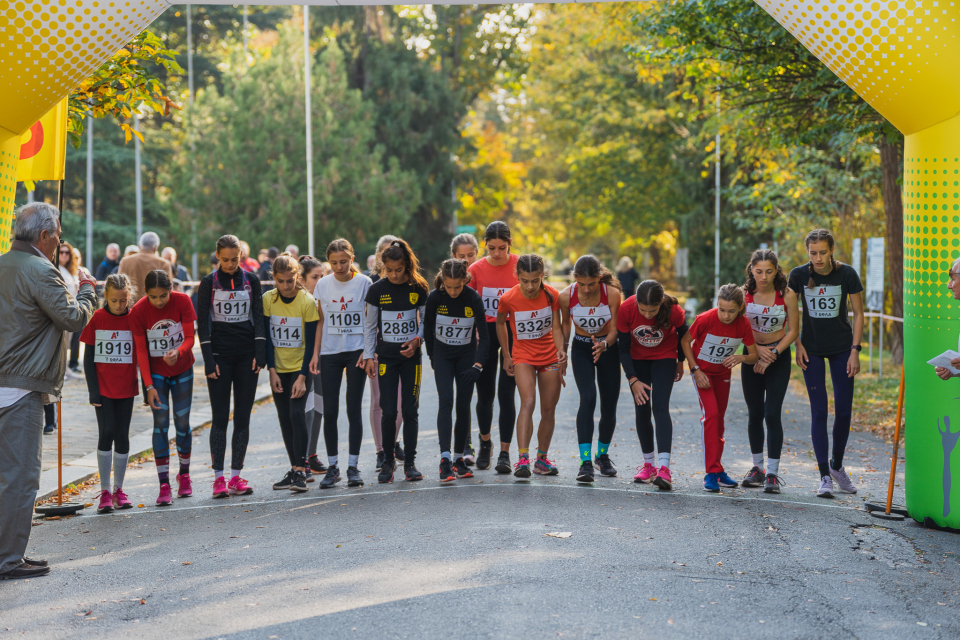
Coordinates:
<point>650,293</point>
<point>589,266</point>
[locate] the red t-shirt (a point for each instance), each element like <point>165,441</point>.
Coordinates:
<point>156,331</point>
<point>114,354</point>
<point>492,282</point>
<point>531,322</point>
<point>649,341</point>
<point>714,342</point>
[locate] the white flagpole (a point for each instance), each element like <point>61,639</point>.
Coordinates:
<point>306,81</point>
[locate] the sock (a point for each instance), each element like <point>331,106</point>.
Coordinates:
<point>235,473</point>
<point>584,452</point>
<point>457,456</point>
<point>837,462</point>
<point>773,466</point>
<point>217,474</point>
<point>523,452</point>
<point>649,458</point>
<point>119,468</point>
<point>824,470</point>
<point>445,454</point>
<point>104,460</point>
<point>602,447</point>
<point>354,460</point>
<point>163,470</point>
<point>184,462</point>
<point>664,460</point>
<point>758,460</point>
<point>334,460</point>
<point>541,454</point>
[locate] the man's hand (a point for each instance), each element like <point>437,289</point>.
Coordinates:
<point>944,373</point>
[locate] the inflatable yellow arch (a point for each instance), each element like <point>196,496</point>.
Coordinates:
<point>901,57</point>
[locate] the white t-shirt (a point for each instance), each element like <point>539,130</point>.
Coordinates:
<point>343,305</point>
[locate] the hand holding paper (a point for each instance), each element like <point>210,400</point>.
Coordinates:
<point>946,361</point>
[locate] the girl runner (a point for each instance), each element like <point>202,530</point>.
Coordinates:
<point>772,313</point>
<point>456,354</point>
<point>110,365</point>
<point>491,277</point>
<point>393,333</point>
<point>715,337</point>
<point>339,348</point>
<point>650,325</point>
<point>163,334</point>
<point>292,315</point>
<point>464,247</point>
<point>233,343</point>
<point>590,305</point>
<point>311,270</point>
<point>536,358</point>
<point>826,336</point>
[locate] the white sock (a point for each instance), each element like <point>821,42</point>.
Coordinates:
<point>649,458</point>
<point>217,474</point>
<point>334,460</point>
<point>758,460</point>
<point>664,460</point>
<point>354,460</point>
<point>773,466</point>
<point>445,454</point>
<point>119,468</point>
<point>104,460</point>
<point>235,473</point>
<point>457,456</point>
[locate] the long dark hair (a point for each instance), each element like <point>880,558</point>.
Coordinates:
<point>589,266</point>
<point>531,263</point>
<point>308,264</point>
<point>650,293</point>
<point>819,235</point>
<point>498,230</point>
<point>157,279</point>
<point>400,250</point>
<point>779,279</point>
<point>453,269</point>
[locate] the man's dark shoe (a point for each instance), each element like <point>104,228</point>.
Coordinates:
<point>36,563</point>
<point>24,571</point>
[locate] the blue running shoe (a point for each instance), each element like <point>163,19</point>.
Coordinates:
<point>726,481</point>
<point>710,483</point>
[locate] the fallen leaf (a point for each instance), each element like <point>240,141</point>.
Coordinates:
<point>186,563</point>
<point>560,534</point>
<point>142,601</point>
<point>253,604</point>
<point>653,599</point>
<point>719,564</point>
<point>669,620</point>
<point>338,546</point>
<point>87,504</point>
<point>141,505</point>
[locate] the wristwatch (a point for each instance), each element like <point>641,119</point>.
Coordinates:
<point>776,352</point>
<point>694,368</point>
<point>858,347</point>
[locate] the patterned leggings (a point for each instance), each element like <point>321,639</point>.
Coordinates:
<point>176,391</point>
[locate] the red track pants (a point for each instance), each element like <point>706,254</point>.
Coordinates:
<point>713,406</point>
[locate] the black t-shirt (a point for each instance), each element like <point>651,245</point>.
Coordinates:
<point>400,314</point>
<point>450,326</point>
<point>230,339</point>
<point>825,328</point>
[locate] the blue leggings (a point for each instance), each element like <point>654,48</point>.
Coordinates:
<point>815,378</point>
<point>176,390</point>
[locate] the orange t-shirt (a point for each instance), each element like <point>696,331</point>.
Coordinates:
<point>531,322</point>
<point>492,282</point>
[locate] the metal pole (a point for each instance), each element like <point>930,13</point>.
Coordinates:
<point>896,445</point>
<point>193,225</point>
<point>139,180</point>
<point>716,239</point>
<point>90,193</point>
<point>29,197</point>
<point>306,82</point>
<point>870,340</point>
<point>244,34</point>
<point>880,363</point>
<point>189,55</point>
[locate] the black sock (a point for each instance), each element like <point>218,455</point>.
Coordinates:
<point>837,462</point>
<point>824,470</point>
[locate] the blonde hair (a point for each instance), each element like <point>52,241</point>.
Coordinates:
<point>286,263</point>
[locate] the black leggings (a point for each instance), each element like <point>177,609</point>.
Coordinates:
<point>400,375</point>
<point>113,421</point>
<point>764,394</point>
<point>292,413</point>
<point>605,373</point>
<point>332,367</point>
<point>660,375</point>
<point>75,351</point>
<point>236,374</point>
<point>446,372</point>
<point>488,388</point>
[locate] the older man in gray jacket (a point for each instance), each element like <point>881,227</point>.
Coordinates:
<point>35,311</point>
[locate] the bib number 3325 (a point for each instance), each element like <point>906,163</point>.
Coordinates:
<point>532,325</point>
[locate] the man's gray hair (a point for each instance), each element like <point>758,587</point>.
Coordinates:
<point>149,240</point>
<point>34,218</point>
<point>954,266</point>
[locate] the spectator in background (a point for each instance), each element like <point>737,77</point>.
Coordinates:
<point>70,272</point>
<point>265,272</point>
<point>247,263</point>
<point>293,250</point>
<point>261,256</point>
<point>144,261</point>
<point>110,262</point>
<point>627,276</point>
<point>179,271</point>
<point>131,249</point>
<point>371,265</point>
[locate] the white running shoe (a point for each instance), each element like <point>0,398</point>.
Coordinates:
<point>843,480</point>
<point>826,487</point>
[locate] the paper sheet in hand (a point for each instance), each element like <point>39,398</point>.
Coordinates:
<point>943,360</point>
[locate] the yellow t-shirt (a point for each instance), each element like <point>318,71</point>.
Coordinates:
<point>286,323</point>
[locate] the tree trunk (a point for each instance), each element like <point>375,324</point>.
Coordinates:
<point>893,207</point>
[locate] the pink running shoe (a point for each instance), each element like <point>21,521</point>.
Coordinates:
<point>106,502</point>
<point>165,499</point>
<point>184,485</point>
<point>646,473</point>
<point>239,487</point>
<point>663,480</point>
<point>120,499</point>
<point>220,488</point>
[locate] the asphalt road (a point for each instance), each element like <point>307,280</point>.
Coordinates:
<point>474,559</point>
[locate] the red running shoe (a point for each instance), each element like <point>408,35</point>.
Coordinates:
<point>220,488</point>
<point>165,498</point>
<point>184,485</point>
<point>239,487</point>
<point>120,499</point>
<point>106,502</point>
<point>663,480</point>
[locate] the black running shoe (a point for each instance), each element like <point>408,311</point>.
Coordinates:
<point>386,471</point>
<point>353,477</point>
<point>483,458</point>
<point>503,463</point>
<point>332,477</point>
<point>446,471</point>
<point>461,469</point>
<point>286,482</point>
<point>308,475</point>
<point>586,472</point>
<point>410,472</point>
<point>380,457</point>
<point>299,484</point>
<point>754,478</point>
<point>772,483</point>
<point>605,466</point>
<point>469,455</point>
<point>398,452</point>
<point>315,465</point>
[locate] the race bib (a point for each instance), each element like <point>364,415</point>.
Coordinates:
<point>231,306</point>
<point>590,319</point>
<point>716,349</point>
<point>343,318</point>
<point>823,301</point>
<point>531,325</point>
<point>399,326</point>
<point>286,332</point>
<point>454,331</point>
<point>113,347</point>
<point>491,300</point>
<point>765,319</point>
<point>159,341</point>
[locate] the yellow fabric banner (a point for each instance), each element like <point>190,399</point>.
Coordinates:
<point>43,147</point>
